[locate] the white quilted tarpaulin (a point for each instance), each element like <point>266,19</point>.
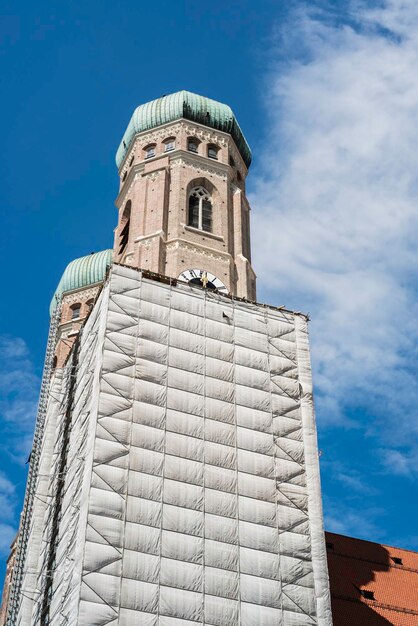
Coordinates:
<point>193,493</point>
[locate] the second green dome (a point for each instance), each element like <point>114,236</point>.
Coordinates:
<point>86,270</point>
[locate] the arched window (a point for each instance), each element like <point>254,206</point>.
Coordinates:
<point>239,177</point>
<point>231,162</point>
<point>124,227</point>
<point>200,209</point>
<point>213,151</point>
<point>89,305</point>
<point>169,144</point>
<point>75,311</point>
<point>132,160</point>
<point>124,177</point>
<point>193,144</point>
<point>150,151</point>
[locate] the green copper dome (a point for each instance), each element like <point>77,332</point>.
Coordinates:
<point>190,106</point>
<point>82,272</point>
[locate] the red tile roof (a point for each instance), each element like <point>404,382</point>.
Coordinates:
<point>357,566</point>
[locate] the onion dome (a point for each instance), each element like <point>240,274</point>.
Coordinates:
<point>187,105</point>
<point>87,270</point>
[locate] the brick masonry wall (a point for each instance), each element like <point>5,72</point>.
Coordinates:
<point>160,239</point>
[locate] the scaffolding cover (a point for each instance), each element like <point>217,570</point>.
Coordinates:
<point>190,492</point>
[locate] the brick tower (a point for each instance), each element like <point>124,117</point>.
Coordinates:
<point>174,475</point>
<point>182,206</point>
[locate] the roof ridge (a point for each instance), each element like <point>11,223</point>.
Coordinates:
<point>376,543</point>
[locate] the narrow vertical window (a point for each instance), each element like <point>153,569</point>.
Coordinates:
<point>75,311</point>
<point>169,144</point>
<point>193,145</point>
<point>194,211</point>
<point>149,151</point>
<point>206,215</point>
<point>200,209</point>
<point>213,151</point>
<point>124,227</point>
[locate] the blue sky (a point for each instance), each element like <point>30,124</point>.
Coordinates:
<point>328,99</point>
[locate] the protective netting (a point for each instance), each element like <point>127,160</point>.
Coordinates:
<point>68,489</point>
<point>192,492</point>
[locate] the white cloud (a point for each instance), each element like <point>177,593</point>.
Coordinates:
<point>399,17</point>
<point>7,534</point>
<point>346,520</point>
<point>335,220</point>
<point>356,483</point>
<point>399,463</point>
<point>12,348</point>
<point>8,502</point>
<point>19,389</point>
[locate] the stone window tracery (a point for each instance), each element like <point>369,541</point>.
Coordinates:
<point>200,209</point>
<point>124,227</point>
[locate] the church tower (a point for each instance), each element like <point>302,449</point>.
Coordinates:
<point>174,476</point>
<point>183,212</point>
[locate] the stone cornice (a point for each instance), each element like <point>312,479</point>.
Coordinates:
<point>149,136</point>
<point>204,133</point>
<point>146,240</point>
<point>205,233</point>
<point>153,175</point>
<point>182,244</point>
<point>82,294</point>
<point>158,233</point>
<point>200,164</point>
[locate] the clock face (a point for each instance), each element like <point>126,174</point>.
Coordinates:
<point>203,279</point>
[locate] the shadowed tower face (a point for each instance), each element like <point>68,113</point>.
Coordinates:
<point>182,206</point>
